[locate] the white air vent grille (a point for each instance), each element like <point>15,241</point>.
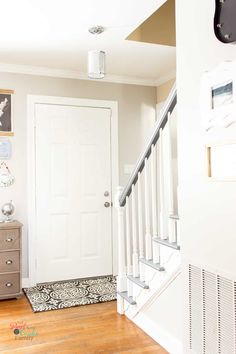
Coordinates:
<point>210,318</point>
<point>212,308</point>
<point>195,308</point>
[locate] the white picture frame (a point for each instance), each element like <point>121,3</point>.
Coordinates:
<point>218,97</point>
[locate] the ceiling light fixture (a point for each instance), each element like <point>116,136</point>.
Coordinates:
<point>96,58</point>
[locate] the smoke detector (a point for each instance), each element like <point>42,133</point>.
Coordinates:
<point>96,29</point>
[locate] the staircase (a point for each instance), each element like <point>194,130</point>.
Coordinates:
<point>148,232</point>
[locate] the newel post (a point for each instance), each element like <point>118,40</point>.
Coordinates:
<point>121,279</point>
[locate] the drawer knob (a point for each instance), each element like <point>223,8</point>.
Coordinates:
<point>9,261</point>
<point>8,285</point>
<point>9,239</point>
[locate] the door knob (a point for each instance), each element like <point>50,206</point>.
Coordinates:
<point>106,204</point>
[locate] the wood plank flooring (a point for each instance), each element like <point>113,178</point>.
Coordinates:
<point>92,329</point>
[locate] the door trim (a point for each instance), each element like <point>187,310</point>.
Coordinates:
<point>32,100</point>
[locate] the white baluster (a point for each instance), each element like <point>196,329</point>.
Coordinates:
<point>148,237</point>
<point>156,247</point>
<point>140,217</point>
<point>170,187</point>
<point>134,233</point>
<point>128,245</point>
<point>128,237</point>
<point>177,233</point>
<point>121,279</point>
<point>154,191</point>
<point>178,240</point>
<point>161,187</point>
<point>140,227</point>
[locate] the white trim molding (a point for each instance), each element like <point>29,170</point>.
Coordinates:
<point>165,78</point>
<point>161,336</point>
<point>32,101</point>
<point>73,74</point>
<point>25,283</point>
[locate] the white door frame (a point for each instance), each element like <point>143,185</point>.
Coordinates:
<point>31,182</point>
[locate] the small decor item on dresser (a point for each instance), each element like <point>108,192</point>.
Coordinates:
<point>6,178</point>
<point>8,210</point>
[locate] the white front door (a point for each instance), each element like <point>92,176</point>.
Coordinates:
<point>73,172</point>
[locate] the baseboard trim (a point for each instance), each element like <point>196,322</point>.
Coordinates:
<point>161,336</point>
<point>25,283</point>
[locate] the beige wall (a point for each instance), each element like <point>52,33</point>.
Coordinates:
<point>159,28</point>
<point>163,90</point>
<point>136,105</point>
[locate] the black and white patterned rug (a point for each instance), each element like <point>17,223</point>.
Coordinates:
<point>60,295</point>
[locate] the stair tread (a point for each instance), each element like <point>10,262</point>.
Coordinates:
<point>125,296</point>
<point>137,281</point>
<point>150,263</point>
<point>166,243</point>
<point>174,216</point>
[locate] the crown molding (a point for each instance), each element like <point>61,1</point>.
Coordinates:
<point>73,74</point>
<point>165,78</point>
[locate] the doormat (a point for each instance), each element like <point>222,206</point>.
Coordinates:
<point>71,293</point>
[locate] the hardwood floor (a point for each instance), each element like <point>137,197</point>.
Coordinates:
<point>92,329</point>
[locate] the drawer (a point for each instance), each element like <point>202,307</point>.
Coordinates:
<point>9,239</point>
<point>9,284</point>
<point>9,261</point>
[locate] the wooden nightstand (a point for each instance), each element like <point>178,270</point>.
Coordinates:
<point>10,260</point>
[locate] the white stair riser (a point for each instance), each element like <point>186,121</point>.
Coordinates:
<point>129,288</point>
<point>156,252</point>
<point>120,305</point>
<point>142,271</point>
<point>149,273</point>
<point>130,310</point>
<point>166,253</point>
<point>136,289</point>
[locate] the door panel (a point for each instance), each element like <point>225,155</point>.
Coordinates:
<point>73,170</point>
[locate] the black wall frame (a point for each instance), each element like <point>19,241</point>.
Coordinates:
<point>225,20</point>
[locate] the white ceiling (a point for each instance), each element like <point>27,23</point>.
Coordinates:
<point>41,34</point>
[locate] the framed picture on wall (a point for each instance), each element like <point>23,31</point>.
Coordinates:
<point>218,96</point>
<point>6,112</point>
